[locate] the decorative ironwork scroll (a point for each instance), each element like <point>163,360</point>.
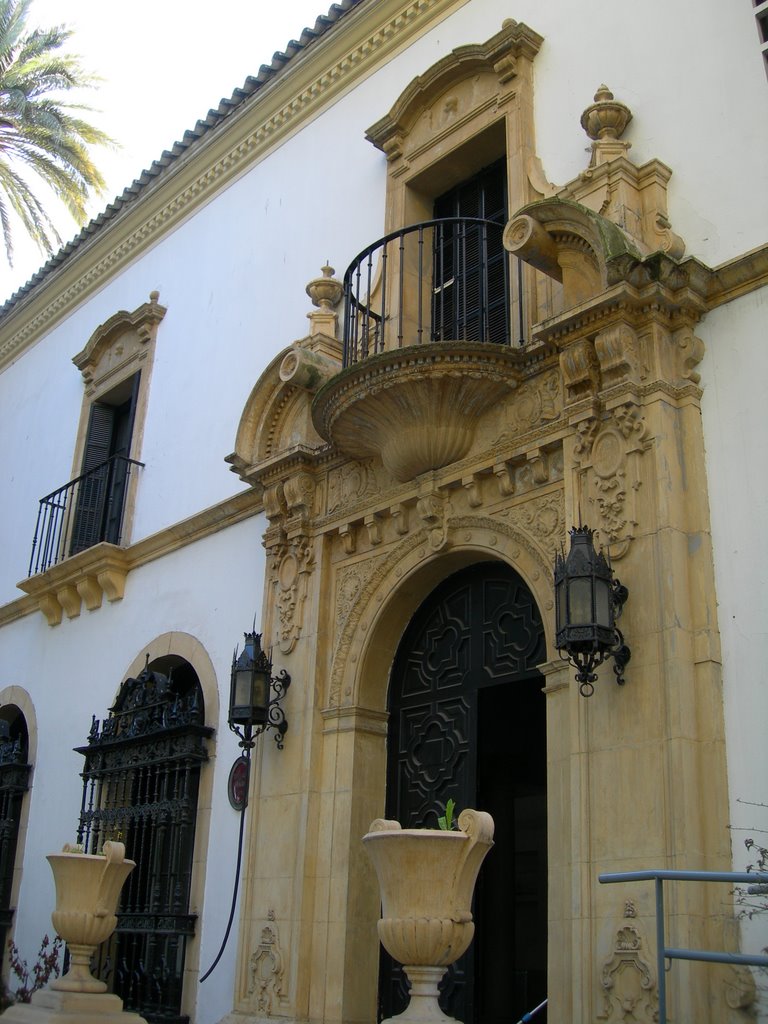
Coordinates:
<point>140,785</point>
<point>14,782</point>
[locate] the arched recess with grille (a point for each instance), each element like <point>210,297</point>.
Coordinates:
<point>17,748</point>
<point>145,783</point>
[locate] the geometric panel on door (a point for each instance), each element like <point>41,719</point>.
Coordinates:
<point>441,660</point>
<point>433,755</point>
<point>513,639</point>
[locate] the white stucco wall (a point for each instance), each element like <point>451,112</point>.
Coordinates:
<point>734,372</point>
<point>233,275</point>
<point>211,590</point>
<point>232,278</point>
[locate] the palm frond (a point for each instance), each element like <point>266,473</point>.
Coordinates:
<point>41,132</point>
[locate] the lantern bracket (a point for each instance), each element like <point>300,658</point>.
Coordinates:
<point>249,720</point>
<point>586,632</point>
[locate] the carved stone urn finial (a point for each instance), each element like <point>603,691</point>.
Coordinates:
<point>325,291</point>
<point>605,121</point>
<point>606,118</point>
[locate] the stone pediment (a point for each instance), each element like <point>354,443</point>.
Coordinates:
<point>276,424</point>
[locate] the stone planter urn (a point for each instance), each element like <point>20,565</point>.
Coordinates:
<point>426,879</point>
<point>87,890</point>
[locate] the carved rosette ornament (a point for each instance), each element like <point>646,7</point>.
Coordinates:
<point>629,989</point>
<point>266,970</point>
<point>608,455</point>
<point>542,518</point>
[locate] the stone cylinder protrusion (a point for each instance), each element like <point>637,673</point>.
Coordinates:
<point>307,370</point>
<point>525,238</point>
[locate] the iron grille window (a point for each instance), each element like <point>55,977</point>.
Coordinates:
<point>14,782</point>
<point>140,786</point>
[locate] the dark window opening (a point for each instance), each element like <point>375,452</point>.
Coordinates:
<point>470,292</point>
<point>100,501</point>
<point>14,782</point>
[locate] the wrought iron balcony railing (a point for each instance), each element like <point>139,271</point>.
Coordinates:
<point>442,280</point>
<point>84,512</point>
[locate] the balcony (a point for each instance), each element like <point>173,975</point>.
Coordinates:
<point>82,513</point>
<point>433,332</point>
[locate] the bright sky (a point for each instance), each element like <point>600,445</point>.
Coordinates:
<point>163,65</point>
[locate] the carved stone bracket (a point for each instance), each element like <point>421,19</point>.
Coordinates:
<point>608,455</point>
<point>618,352</point>
<point>87,577</point>
<point>433,508</point>
<point>580,370</point>
<point>266,971</point>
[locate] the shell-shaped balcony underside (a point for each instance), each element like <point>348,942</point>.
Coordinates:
<point>417,407</point>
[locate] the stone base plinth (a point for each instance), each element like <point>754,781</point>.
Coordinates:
<point>71,1008</point>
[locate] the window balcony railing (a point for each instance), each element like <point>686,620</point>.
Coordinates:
<point>84,512</point>
<point>442,280</point>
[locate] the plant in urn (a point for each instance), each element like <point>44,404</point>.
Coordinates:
<point>426,879</point>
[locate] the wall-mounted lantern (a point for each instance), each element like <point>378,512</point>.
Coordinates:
<point>254,707</point>
<point>255,695</point>
<point>588,601</point>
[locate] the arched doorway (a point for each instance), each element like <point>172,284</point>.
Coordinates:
<point>467,722</point>
<point>140,786</point>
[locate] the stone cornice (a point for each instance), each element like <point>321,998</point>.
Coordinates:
<point>311,82</point>
<point>622,302</point>
<point>101,571</point>
<point>738,276</point>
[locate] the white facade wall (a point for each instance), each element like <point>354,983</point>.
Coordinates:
<point>233,275</point>
<point>734,372</point>
<point>210,590</point>
<point>232,278</point>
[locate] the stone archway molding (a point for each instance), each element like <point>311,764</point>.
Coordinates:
<point>398,583</point>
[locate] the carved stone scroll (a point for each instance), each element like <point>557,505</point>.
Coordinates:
<point>292,564</point>
<point>627,982</point>
<point>542,518</point>
<point>609,454</point>
<point>266,970</point>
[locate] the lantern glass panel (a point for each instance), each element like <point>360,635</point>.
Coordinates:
<point>580,601</point>
<point>562,617</point>
<point>242,689</point>
<point>603,615</point>
<point>260,697</point>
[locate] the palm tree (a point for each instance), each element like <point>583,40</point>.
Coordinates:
<point>39,131</point>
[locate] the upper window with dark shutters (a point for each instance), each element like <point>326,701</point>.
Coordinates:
<point>96,505</point>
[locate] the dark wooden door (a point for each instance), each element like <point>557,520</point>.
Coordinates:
<point>467,722</point>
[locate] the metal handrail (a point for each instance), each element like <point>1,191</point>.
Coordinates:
<point>434,281</point>
<point>74,517</point>
<point>664,952</point>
